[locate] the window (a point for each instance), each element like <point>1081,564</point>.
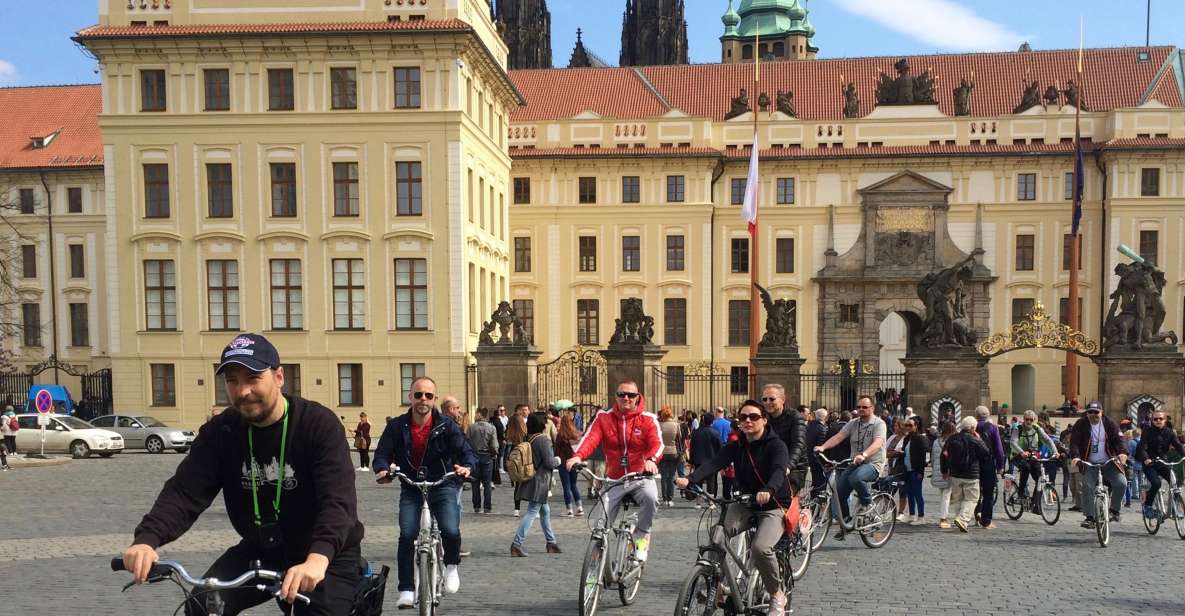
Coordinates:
<point>525,310</point>
<point>747,52</point>
<point>588,190</point>
<point>279,90</point>
<point>1063,310</point>
<point>409,188</point>
<point>220,397</point>
<point>738,322</point>
<point>785,191</point>
<point>740,255</point>
<point>219,190</point>
<point>1067,247</point>
<point>349,384</point>
<point>676,188</point>
<point>1021,307</point>
<point>77,261</point>
<point>1068,188</point>
<point>156,191</point>
<point>31,324</point>
<point>26,197</point>
<point>217,81</point>
<point>675,380</point>
<point>587,322</point>
<point>408,373</point>
<point>152,90</point>
<point>79,327</point>
<point>522,190</point>
<point>738,380</point>
<point>522,254</point>
<point>343,85</point>
<point>1150,182</point>
<point>674,253</point>
<point>164,386</point>
<point>1149,245</point>
<point>287,294</point>
<point>738,190</point>
<point>349,294</point>
<point>631,253</point>
<point>283,190</point>
<point>1025,244</point>
<point>674,322</point>
<point>631,190</point>
<point>588,253</point>
<point>1026,186</point>
<point>849,314</point>
<point>74,200</point>
<point>411,294</point>
<point>407,88</point>
<point>784,255</point>
<point>29,260</point>
<point>345,189</point>
<point>222,287</point>
<point>291,379</point>
<point>160,295</point>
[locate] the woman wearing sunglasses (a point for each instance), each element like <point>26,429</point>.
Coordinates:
<point>760,459</point>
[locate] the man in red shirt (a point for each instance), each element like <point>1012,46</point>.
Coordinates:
<point>632,442</point>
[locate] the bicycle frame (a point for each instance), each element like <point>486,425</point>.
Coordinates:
<point>428,541</point>
<point>1173,490</point>
<point>732,568</point>
<point>622,531</point>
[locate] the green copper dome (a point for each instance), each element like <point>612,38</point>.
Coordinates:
<point>772,18</point>
<point>730,19</point>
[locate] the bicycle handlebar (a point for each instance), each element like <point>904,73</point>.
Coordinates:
<point>166,568</point>
<point>1109,460</point>
<point>744,499</point>
<point>394,472</point>
<point>833,462</point>
<point>582,468</point>
<point>1163,462</point>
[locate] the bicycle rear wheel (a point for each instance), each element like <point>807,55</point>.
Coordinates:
<point>590,577</point>
<point>794,554</point>
<point>1051,506</point>
<point>1178,503</point>
<point>1013,508</point>
<point>426,591</point>
<point>697,595</point>
<point>877,525</point>
<point>1102,522</point>
<point>1152,525</point>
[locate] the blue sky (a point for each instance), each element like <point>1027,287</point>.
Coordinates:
<point>36,46</point>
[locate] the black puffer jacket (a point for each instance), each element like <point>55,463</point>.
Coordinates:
<point>770,456</point>
<point>962,455</point>
<point>1156,443</point>
<point>790,427</point>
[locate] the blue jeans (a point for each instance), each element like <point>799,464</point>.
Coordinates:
<point>443,503</point>
<point>543,510</point>
<point>571,489</point>
<point>987,495</point>
<point>913,492</point>
<point>858,478</point>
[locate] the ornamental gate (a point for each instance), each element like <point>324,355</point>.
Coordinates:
<point>837,388</point>
<point>92,390</point>
<point>578,375</point>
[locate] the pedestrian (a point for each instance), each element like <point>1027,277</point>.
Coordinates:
<point>565,447</point>
<point>705,444</point>
<point>483,439</point>
<point>843,450</point>
<point>516,431</point>
<point>504,422</point>
<point>914,466</point>
<point>537,489</point>
<point>722,424</point>
<point>668,465</point>
<point>894,451</point>
<point>936,477</point>
<point>816,433</point>
<point>362,442</point>
<point>1096,439</point>
<point>500,432</point>
<point>960,464</point>
<point>990,435</point>
<point>9,428</point>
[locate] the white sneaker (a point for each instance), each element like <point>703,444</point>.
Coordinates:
<point>362,469</point>
<point>904,517</point>
<point>406,601</point>
<point>777,606</point>
<point>516,513</point>
<point>452,580</point>
<point>919,521</point>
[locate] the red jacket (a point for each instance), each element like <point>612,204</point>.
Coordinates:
<point>635,435</point>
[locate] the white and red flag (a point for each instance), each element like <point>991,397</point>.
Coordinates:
<point>749,209</point>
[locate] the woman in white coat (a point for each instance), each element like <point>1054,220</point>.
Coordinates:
<point>936,479</point>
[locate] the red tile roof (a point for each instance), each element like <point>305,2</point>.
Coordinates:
<point>98,32</point>
<point>671,152</point>
<point>1112,78</point>
<point>38,112</point>
<point>1165,90</point>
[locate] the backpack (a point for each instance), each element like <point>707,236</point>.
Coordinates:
<point>369,594</point>
<point>520,464</point>
<point>12,424</point>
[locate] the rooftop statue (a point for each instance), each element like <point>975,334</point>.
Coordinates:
<point>905,89</point>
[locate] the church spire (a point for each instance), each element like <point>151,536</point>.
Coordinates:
<point>579,55</point>
<point>525,26</point>
<point>653,32</point>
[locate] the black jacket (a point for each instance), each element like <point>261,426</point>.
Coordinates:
<point>760,465</point>
<point>1080,438</point>
<point>1156,442</point>
<point>962,455</point>
<point>318,507</point>
<point>816,434</point>
<point>918,445</point>
<point>790,427</point>
<point>447,446</point>
<point>499,429</point>
<point>843,450</point>
<point>705,443</point>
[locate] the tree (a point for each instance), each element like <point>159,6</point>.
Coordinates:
<point>12,236</point>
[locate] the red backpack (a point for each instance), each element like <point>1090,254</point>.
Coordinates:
<point>12,424</point>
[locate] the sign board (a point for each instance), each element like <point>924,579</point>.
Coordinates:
<point>43,401</point>
<point>43,420</point>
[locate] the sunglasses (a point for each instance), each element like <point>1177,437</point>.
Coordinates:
<point>423,395</point>
<point>1158,419</point>
<point>749,416</point>
<point>863,406</point>
<point>628,394</point>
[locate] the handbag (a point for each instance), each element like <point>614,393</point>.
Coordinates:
<point>359,442</point>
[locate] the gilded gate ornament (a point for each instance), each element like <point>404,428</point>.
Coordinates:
<point>1038,331</point>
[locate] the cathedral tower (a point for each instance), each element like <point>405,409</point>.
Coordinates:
<point>784,26</point>
<point>653,32</point>
<point>525,25</point>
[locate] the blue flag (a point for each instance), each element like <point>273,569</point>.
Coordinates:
<point>1078,181</point>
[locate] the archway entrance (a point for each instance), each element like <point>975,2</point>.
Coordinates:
<point>1024,387</point>
<point>894,342</point>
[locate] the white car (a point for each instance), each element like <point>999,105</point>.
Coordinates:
<point>66,434</point>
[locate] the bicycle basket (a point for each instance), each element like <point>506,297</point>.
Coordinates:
<point>368,598</point>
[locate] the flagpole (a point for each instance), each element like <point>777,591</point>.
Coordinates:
<point>1076,238</point>
<point>755,306</point>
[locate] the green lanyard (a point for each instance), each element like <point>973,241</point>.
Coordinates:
<point>254,465</point>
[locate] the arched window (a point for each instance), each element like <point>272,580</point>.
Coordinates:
<point>747,52</point>
<point>779,49</point>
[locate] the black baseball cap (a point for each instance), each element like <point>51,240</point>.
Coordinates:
<point>1094,406</point>
<point>251,351</point>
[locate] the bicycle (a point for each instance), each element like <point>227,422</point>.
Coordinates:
<point>720,568</point>
<point>429,548</point>
<point>621,568</point>
<point>874,523</point>
<point>207,588</point>
<point>1169,503</point>
<point>1016,503</point>
<point>1102,503</point>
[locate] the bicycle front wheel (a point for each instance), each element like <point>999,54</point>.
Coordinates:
<point>1051,506</point>
<point>794,554</point>
<point>1013,508</point>
<point>876,527</point>
<point>590,577</point>
<point>1178,502</point>
<point>697,595</point>
<point>426,593</point>
<point>1152,524</point>
<point>820,522</point>
<point>1102,522</point>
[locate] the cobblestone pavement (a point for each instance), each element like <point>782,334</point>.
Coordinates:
<point>62,524</point>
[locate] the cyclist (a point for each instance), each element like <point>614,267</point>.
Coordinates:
<point>632,442</point>
<point>1155,442</point>
<point>788,426</point>
<point>279,462</point>
<point>425,441</point>
<point>1025,447</point>
<point>1096,439</point>
<point>866,438</point>
<point>761,459</point>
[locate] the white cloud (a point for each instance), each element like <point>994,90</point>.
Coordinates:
<point>8,74</point>
<point>941,23</point>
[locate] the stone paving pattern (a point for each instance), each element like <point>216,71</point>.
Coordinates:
<point>62,524</point>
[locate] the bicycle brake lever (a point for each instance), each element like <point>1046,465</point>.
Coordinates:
<point>276,594</point>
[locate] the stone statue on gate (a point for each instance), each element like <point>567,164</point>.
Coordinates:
<point>946,324</point>
<point>510,328</point>
<point>1137,309</point>
<point>1030,98</point>
<point>634,326</point>
<point>740,105</point>
<point>963,98</point>
<point>779,322</point>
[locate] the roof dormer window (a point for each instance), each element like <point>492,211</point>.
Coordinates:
<point>38,143</point>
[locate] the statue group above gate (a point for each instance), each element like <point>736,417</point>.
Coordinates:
<point>634,326</point>
<point>946,324</point>
<point>1137,308</point>
<point>779,323</point>
<point>510,328</point>
<point>905,89</point>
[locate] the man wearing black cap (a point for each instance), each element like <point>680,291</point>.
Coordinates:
<point>279,462</point>
<point>1096,439</point>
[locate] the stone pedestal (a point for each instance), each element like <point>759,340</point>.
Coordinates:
<point>783,368</point>
<point>1127,378</point>
<point>959,378</point>
<point>632,362</point>
<point>506,375</point>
